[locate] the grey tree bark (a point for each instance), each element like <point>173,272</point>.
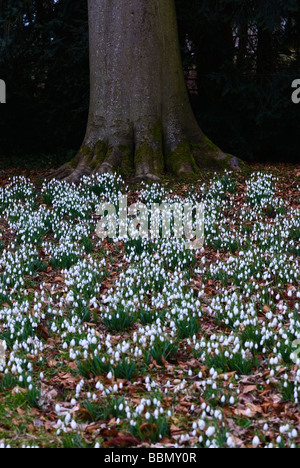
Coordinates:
<point>140,118</point>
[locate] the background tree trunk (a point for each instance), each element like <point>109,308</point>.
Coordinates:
<point>265,62</point>
<point>140,118</point>
<point>243,44</point>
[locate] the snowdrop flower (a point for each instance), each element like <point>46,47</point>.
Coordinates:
<point>73,425</point>
<point>57,409</point>
<point>210,431</point>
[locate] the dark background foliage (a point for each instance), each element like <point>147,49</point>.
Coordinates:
<point>240,58</point>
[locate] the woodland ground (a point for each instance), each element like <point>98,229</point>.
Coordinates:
<point>130,344</point>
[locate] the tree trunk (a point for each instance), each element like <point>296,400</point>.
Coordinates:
<point>140,118</point>
<point>243,45</point>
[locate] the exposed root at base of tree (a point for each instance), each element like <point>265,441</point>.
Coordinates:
<point>148,162</point>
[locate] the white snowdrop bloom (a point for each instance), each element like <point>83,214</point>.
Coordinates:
<point>67,419</point>
<point>73,425</point>
<point>210,431</point>
<point>256,441</point>
<point>230,442</point>
<point>201,424</point>
<point>284,429</point>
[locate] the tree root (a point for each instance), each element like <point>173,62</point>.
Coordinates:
<point>148,163</point>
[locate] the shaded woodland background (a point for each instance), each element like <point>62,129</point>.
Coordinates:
<point>240,58</point>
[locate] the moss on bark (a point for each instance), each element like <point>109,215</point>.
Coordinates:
<point>127,164</point>
<point>100,151</point>
<point>181,161</point>
<point>149,159</point>
<point>157,132</point>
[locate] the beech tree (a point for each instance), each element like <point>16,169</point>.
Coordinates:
<point>140,118</point>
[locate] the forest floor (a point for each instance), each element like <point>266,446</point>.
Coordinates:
<point>124,343</point>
